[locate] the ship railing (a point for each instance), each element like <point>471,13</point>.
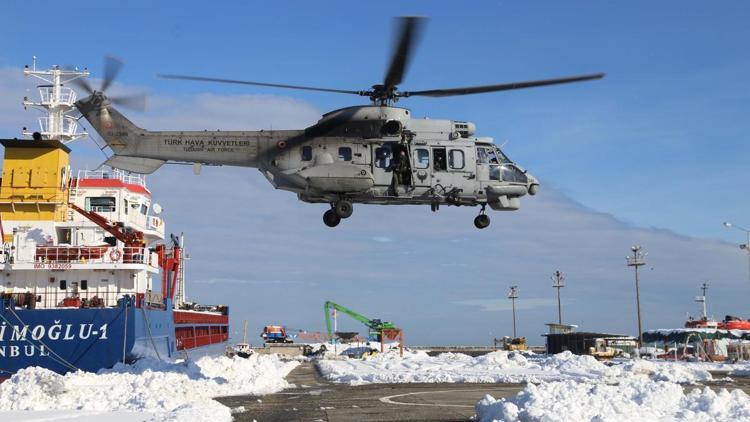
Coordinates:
<point>73,296</point>
<point>66,95</point>
<point>131,179</point>
<point>93,255</point>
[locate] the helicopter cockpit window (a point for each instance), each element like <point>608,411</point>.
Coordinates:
<point>456,159</point>
<point>345,154</point>
<point>306,153</point>
<point>502,157</point>
<point>492,156</point>
<point>383,157</point>
<point>482,157</point>
<point>422,158</point>
<point>495,172</point>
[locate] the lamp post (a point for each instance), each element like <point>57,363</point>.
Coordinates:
<point>513,295</point>
<point>745,246</point>
<point>558,282</point>
<point>635,261</point>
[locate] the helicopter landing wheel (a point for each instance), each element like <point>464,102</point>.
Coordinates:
<point>482,221</point>
<point>343,208</point>
<point>331,219</point>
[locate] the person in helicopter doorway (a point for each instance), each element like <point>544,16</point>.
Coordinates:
<point>400,168</point>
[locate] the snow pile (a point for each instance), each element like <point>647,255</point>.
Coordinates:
<point>170,391</point>
<point>636,398</point>
<point>682,372</point>
<point>500,366</point>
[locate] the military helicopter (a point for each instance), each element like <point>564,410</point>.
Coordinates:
<point>367,154</point>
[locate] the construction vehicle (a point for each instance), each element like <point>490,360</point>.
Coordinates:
<point>375,326</point>
<point>512,344</point>
<point>275,334</point>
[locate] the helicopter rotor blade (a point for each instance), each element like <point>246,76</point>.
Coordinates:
<point>112,66</point>
<point>447,92</point>
<point>83,84</point>
<point>234,81</point>
<point>410,29</point>
<point>133,102</point>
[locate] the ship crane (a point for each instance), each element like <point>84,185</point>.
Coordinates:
<point>131,238</point>
<point>135,245</point>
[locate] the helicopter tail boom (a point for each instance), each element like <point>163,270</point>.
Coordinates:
<point>139,150</point>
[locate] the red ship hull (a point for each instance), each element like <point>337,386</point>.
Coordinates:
<point>198,329</point>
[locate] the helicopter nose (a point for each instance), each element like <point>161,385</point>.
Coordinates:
<point>533,185</point>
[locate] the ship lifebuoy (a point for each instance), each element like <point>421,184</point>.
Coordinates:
<point>281,144</point>
<point>115,255</point>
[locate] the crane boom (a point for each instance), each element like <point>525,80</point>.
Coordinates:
<point>129,238</point>
<point>374,325</point>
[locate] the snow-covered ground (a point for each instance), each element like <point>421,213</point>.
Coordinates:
<point>417,366</point>
<point>146,391</point>
<point>632,399</point>
<point>562,387</point>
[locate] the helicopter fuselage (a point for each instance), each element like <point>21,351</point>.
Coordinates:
<point>362,154</point>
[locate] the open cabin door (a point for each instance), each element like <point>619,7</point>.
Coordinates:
<point>382,163</point>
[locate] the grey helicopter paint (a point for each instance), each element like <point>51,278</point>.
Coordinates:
<point>373,154</point>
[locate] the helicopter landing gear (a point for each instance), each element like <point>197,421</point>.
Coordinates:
<point>434,205</point>
<point>331,219</point>
<point>482,220</point>
<point>343,208</point>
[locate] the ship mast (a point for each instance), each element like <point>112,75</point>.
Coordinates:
<point>702,299</point>
<point>179,297</point>
<point>57,101</point>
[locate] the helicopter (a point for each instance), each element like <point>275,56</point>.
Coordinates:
<point>364,154</point>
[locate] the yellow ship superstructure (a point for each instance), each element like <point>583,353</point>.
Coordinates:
<point>35,181</point>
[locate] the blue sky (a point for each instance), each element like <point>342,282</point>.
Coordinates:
<point>656,152</point>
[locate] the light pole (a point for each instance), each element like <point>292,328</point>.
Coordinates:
<point>558,282</point>
<point>513,295</point>
<point>637,260</point>
<point>745,246</point>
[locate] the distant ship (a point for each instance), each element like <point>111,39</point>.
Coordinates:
<point>87,280</point>
<point>729,323</point>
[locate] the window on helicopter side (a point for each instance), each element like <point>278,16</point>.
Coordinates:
<point>422,160</point>
<point>345,154</point>
<point>383,156</point>
<point>306,153</point>
<point>438,156</point>
<point>456,159</point>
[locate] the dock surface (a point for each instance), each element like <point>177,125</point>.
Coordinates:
<point>315,399</point>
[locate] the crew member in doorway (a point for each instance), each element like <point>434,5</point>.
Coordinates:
<point>400,171</point>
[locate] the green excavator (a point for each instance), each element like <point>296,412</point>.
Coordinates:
<point>375,326</point>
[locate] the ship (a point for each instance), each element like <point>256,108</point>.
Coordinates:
<point>728,323</point>
<point>88,278</point>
